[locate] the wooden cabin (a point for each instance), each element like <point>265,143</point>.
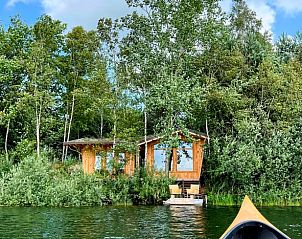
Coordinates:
<point>97,154</point>
<point>185,160</point>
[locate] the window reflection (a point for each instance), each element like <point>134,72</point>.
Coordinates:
<point>186,145</point>
<point>183,152</point>
<point>160,146</point>
<point>160,156</point>
<point>159,159</point>
<point>184,160</point>
<point>98,161</point>
<point>122,159</point>
<point>108,160</point>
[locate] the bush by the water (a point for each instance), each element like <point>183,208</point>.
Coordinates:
<point>36,182</point>
<point>260,161</point>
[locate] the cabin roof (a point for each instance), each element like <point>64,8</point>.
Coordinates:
<point>193,133</point>
<point>106,141</point>
<point>89,141</point>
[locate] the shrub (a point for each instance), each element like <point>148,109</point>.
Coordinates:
<point>37,182</point>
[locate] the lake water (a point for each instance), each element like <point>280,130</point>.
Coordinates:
<point>134,222</point>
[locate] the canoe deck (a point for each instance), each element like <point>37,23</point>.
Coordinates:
<point>250,223</point>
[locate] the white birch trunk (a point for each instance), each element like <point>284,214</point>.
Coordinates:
<point>114,133</point>
<point>102,123</point>
<point>65,131</point>
<point>145,135</point>
<point>69,126</point>
<point>38,122</point>
<point>145,127</point>
<point>6,139</point>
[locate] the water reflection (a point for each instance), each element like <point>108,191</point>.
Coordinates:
<point>134,222</point>
<point>187,221</point>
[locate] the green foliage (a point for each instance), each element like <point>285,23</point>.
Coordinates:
<point>224,199</point>
<point>180,65</point>
<point>24,148</point>
<point>5,165</point>
<point>35,182</point>
<point>149,187</point>
<point>261,161</point>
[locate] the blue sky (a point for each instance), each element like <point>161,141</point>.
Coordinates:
<point>277,15</point>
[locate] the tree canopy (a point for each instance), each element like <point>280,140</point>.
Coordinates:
<point>170,64</point>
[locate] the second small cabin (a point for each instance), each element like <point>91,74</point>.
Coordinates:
<point>98,154</point>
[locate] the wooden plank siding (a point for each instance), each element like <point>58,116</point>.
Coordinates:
<point>89,153</point>
<point>194,175</point>
<point>88,159</point>
<point>90,148</point>
<point>130,164</point>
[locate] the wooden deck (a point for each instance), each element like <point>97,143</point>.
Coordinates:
<point>184,201</point>
<point>197,200</point>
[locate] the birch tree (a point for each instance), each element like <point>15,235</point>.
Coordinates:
<point>163,40</point>
<point>42,70</point>
<point>81,50</point>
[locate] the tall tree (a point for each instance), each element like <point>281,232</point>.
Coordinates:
<point>14,45</point>
<point>158,57</point>
<point>42,70</point>
<point>81,51</point>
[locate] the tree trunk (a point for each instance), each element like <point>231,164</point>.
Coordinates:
<point>69,126</point>
<point>38,122</point>
<point>145,132</point>
<point>145,126</point>
<point>65,131</point>
<point>168,155</point>
<point>114,132</point>
<point>102,123</point>
<point>207,131</point>
<point>167,164</point>
<point>6,139</point>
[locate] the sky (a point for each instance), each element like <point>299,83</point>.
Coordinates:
<point>278,16</point>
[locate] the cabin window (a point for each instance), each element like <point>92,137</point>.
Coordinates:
<point>109,158</point>
<point>142,161</point>
<point>184,160</point>
<point>98,161</point>
<point>122,159</point>
<point>160,156</point>
<point>184,157</point>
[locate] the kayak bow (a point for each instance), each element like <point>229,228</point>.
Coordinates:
<point>251,224</point>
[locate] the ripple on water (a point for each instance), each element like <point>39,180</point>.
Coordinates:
<point>134,222</point>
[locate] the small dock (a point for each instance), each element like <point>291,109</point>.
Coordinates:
<point>190,194</point>
<point>184,201</point>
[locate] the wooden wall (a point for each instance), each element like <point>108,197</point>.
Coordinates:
<point>193,175</point>
<point>89,157</point>
<point>130,164</point>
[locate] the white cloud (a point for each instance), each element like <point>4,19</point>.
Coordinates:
<point>262,9</point>
<point>264,12</point>
<point>12,3</point>
<point>88,12</point>
<point>80,12</point>
<point>289,6</point>
<point>85,13</point>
